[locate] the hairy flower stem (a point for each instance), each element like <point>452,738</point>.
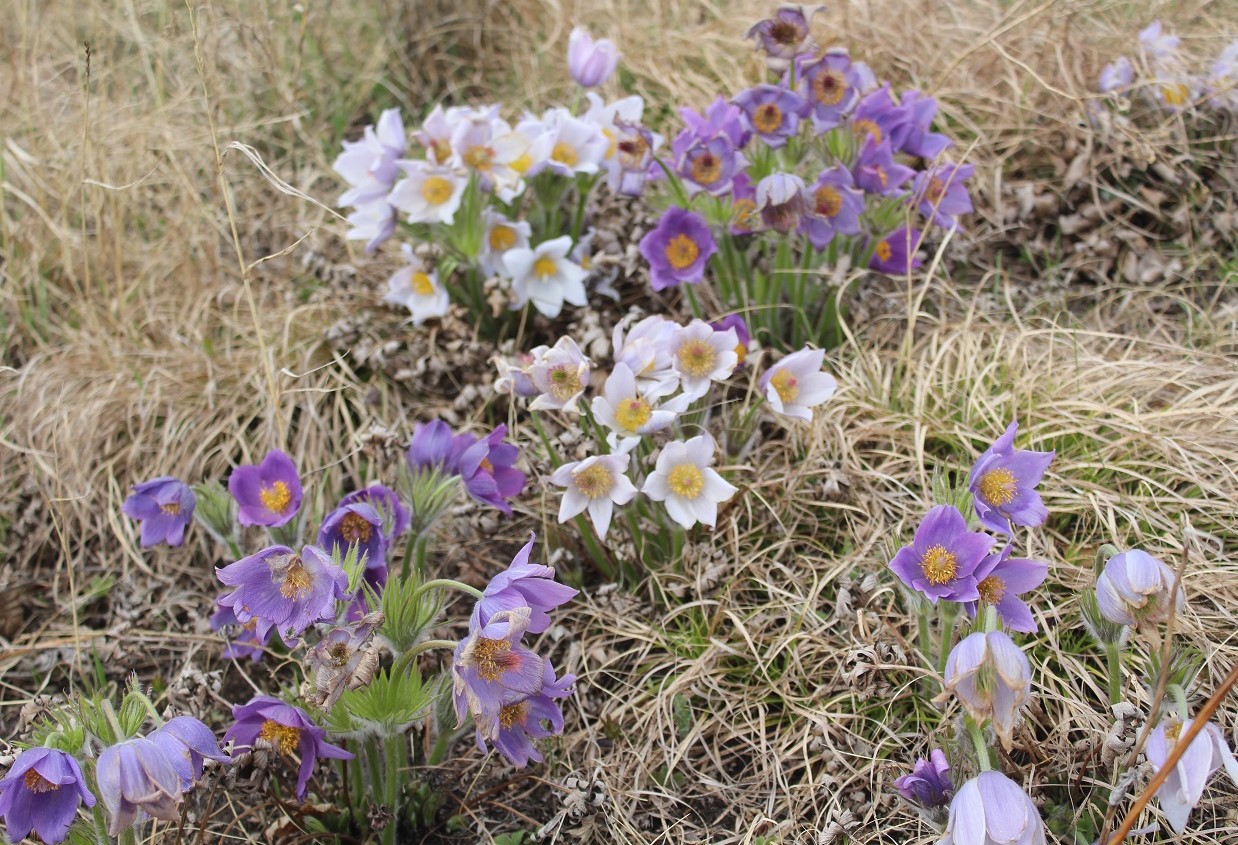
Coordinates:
<point>448,582</point>
<point>979,745</point>
<point>949,612</point>
<point>394,765</point>
<point>1113,655</point>
<point>406,659</point>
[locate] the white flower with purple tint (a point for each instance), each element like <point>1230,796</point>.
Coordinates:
<point>1116,76</point>
<point>577,146</point>
<point>631,412</point>
<point>546,276</point>
<point>373,223</point>
<point>796,384</point>
<point>991,678</point>
<point>590,62</point>
<point>1003,484</point>
<point>943,557</point>
<point>991,809</point>
<point>646,349</point>
<point>702,355</point>
<point>596,485</point>
<point>684,479</point>
<point>1135,588</point>
<point>428,193</point>
<point>1182,790</point>
<point>561,375</point>
<point>369,165</point>
<point>501,236</point>
<point>417,289</point>
<point>283,590</point>
<point>781,201</point>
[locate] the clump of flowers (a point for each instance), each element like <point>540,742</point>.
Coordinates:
<point>1161,76</point>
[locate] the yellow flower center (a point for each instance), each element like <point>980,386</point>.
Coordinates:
<point>502,238</point>
<point>1173,731</point>
<point>35,782</point>
<point>595,481</point>
<point>706,169</point>
<point>767,118</point>
<point>828,201</point>
<point>829,87</point>
<point>611,142</point>
<point>864,126</point>
<point>422,284</point>
<point>171,508</point>
<point>492,658</point>
<point>486,465</point>
<point>697,358</point>
<point>681,251</point>
<point>565,382</point>
<point>633,413</point>
<point>440,150</point>
<point>991,589</point>
<point>997,486</point>
<point>1175,95</point>
<point>355,528</point>
<point>686,481</point>
<point>939,565</point>
<point>565,153</point>
<point>632,151</point>
<point>882,176</point>
<point>436,190</point>
<point>297,581</point>
<point>745,213</point>
<point>275,498</point>
<point>935,191</point>
<point>545,266</point>
<point>283,738</point>
<point>522,164</point>
<point>786,385</point>
<point>883,250</point>
<point>479,158</point>
<point>513,714</point>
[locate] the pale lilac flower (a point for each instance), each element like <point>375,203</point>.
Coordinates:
<point>595,484</point>
<point>1184,787</point>
<point>631,412</point>
<point>492,669</point>
<point>991,809</point>
<point>601,278</point>
<point>578,146</point>
<point>369,165</point>
<point>268,493</point>
<point>561,375</point>
<point>523,585</point>
<point>1223,81</point>
<point>501,236</point>
<point>1134,588</point>
<point>772,111</point>
<point>545,276</point>
<point>186,742</point>
<point>834,207</point>
<point>1000,579</point>
<point>928,786</point>
<point>943,557</point>
<point>610,116</point>
<point>1116,75</point>
<point>41,792</point>
<point>436,131</point>
<point>487,146</point>
<point>1003,484</point>
<point>286,730</point>
<point>684,479</point>
<point>796,385</point>
<point>428,193</point>
<point>646,349</point>
<point>417,289</point>
<point>590,62</point>
<point>702,355</point>
<point>992,679</point>
<point>283,590</point>
<point>136,776</point>
<point>522,721</point>
<point>829,85</point>
<point>1156,43</point>
<point>786,34</point>
<point>373,223</point>
<point>164,506</point>
<point>781,201</point>
<point>514,378</point>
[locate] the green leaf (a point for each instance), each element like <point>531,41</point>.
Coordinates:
<point>387,706</point>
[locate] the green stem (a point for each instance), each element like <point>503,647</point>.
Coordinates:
<point>394,767</point>
<point>980,746</point>
<point>1113,655</point>
<point>451,583</point>
<point>949,613</point>
<point>1179,695</point>
<point>406,659</point>
<point>439,751</point>
<point>1102,557</point>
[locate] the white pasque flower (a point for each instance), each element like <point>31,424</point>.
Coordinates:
<point>646,349</point>
<point>630,412</point>
<point>487,146</point>
<point>796,385</point>
<point>684,480</point>
<point>545,276</point>
<point>372,222</point>
<point>702,354</point>
<point>429,193</point>
<point>1184,787</point>
<point>416,289</point>
<point>560,374</point>
<point>501,235</point>
<point>369,165</point>
<point>578,147</point>
<point>595,484</point>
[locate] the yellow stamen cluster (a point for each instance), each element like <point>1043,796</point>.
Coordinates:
<point>513,714</point>
<point>828,88</point>
<point>706,169</point>
<point>565,382</point>
<point>422,284</point>
<point>502,238</point>
<point>436,190</point>
<point>171,508</point>
<point>355,528</point>
<point>744,212</point>
<point>935,191</point>
<point>632,151</point>
<point>594,481</point>
<point>697,358</point>
<point>633,413</point>
<point>275,498</point>
<point>283,738</point>
<point>882,176</point>
<point>867,127</point>
<point>297,581</point>
<point>686,481</point>
<point>681,251</point>
<point>1176,95</point>
<point>939,565</point>
<point>492,658</point>
<point>545,266</point>
<point>35,782</point>
<point>522,164</point>
<point>785,384</point>
<point>767,118</point>
<point>565,153</point>
<point>991,589</point>
<point>828,201</point>
<point>486,465</point>
<point>479,158</point>
<point>997,486</point>
<point>883,250</point>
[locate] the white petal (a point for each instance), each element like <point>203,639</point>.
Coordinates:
<point>573,504</point>
<point>717,488</point>
<point>600,511</point>
<point>680,511</point>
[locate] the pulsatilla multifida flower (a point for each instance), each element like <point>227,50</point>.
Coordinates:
<point>164,506</point>
<point>341,659</point>
<point>684,479</point>
<point>1181,791</point>
<point>876,171</point>
<point>418,289</point>
<point>355,524</point>
<point>545,276</point>
<point>267,722</point>
<point>834,207</point>
<point>703,355</point>
<point>785,34</point>
<point>772,112</point>
<point>369,165</point>
<point>269,493</point>
<point>525,720</point>
<point>596,485</point>
<point>1003,484</point>
<point>781,201</point>
<point>940,193</point>
<point>395,516</point>
<point>829,84</point>
<point>186,742</point>
<point>928,786</point>
<point>523,585</point>
<point>631,412</point>
<point>561,374</point>
<point>1135,588</point>
<point>1000,579</point>
<point>491,669</point>
<point>246,642</point>
<point>136,776</point>
<point>590,62</point>
<point>283,590</point>
<point>678,249</point>
<point>796,384</point>
<point>41,792</point>
<point>742,336</point>
<point>895,253</point>
<point>992,679</point>
<point>646,349</point>
<point>991,809</point>
<point>486,466</point>
<point>942,559</point>
<point>428,193</point>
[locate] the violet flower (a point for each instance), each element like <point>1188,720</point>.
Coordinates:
<point>991,809</point>
<point>246,643</point>
<point>941,561</point>
<point>523,721</point>
<point>834,207</point>
<point>487,469</point>
<point>1135,588</point>
<point>396,517</point>
<point>269,493</point>
<point>283,590</point>
<point>992,679</point>
<point>742,335</point>
<point>356,524</point>
<point>590,62</point>
<point>829,87</point>
<point>1003,484</point>
<point>876,171</point>
<point>1181,791</point>
<point>628,168</point>
<point>785,34</point>
<point>895,254</point>
<point>1000,579</point>
<point>877,118</point>
<point>369,164</point>
<point>720,118</point>
<point>186,742</point>
<point>1116,75</point>
<point>286,730</point>
<point>136,776</point>
<point>928,786</point>
<point>522,584</point>
<point>772,111</point>
<point>677,249</point>
<point>707,164</point>
<point>164,506</point>
<point>492,669</point>
<point>434,446</point>
<point>941,195</point>
<point>916,136</point>
<point>41,793</point>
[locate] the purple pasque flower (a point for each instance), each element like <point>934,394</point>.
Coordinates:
<point>136,776</point>
<point>514,377</point>
<point>1181,791</point>
<point>781,201</point>
<point>742,335</point>
<point>772,112</point>
<point>942,559</point>
<point>992,679</point>
<point>269,493</point>
<point>357,524</point>
<point>435,446</point>
<point>284,729</point>
<point>492,669</point>
<point>1000,579</point>
<point>164,506</point>
<point>590,62</point>
<point>246,643</point>
<point>706,164</point>
<point>396,517</point>
<point>41,793</point>
<point>878,118</point>
<point>1135,588</point>
<point>876,171</point>
<point>745,219</point>
<point>940,193</point>
<point>369,165</point>
<point>283,590</point>
<point>895,253</point>
<point>796,384</point>
<point>523,721</point>
<point>186,742</point>
<point>928,786</point>
<point>487,469</point>
<point>721,118</point>
<point>1116,75</point>
<point>523,584</point>
<point>678,249</point>
<point>916,136</point>
<point>991,809</point>
<point>834,207</point>
<point>828,83</point>
<point>786,34</point>
<point>1003,484</point>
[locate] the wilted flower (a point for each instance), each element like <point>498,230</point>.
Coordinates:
<point>386,501</point>
<point>334,663</point>
<point>428,193</point>
<point>369,165</point>
<point>772,111</point>
<point>629,166</point>
<point>186,742</point>
<point>630,412</point>
<point>991,809</point>
<point>590,62</point>
<point>417,289</point>
<point>487,471</point>
<point>941,561</point>
<point>560,375</point>
<point>941,195</point>
<point>283,590</point>
<point>895,254</point>
<point>677,249</point>
<point>1181,791</point>
<point>684,479</point>
<point>781,202</point>
<point>164,506</point>
<point>514,378</point>
<point>545,276</point>
<point>834,207</point>
<point>1116,75</point>
<point>992,679</point>
<point>246,643</point>
<point>703,355</point>
<point>523,584</point>
<point>1135,589</point>
<point>501,235</point>
<point>136,776</point>
<point>268,494</point>
<point>796,385</point>
<point>1000,579</point>
<point>595,484</point>
<point>928,786</point>
<point>355,524</point>
<point>492,669</point>
<point>828,83</point>
<point>785,35</point>
<point>522,721</point>
<point>1003,484</point>
<point>286,730</point>
<point>876,171</point>
<point>41,792</point>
